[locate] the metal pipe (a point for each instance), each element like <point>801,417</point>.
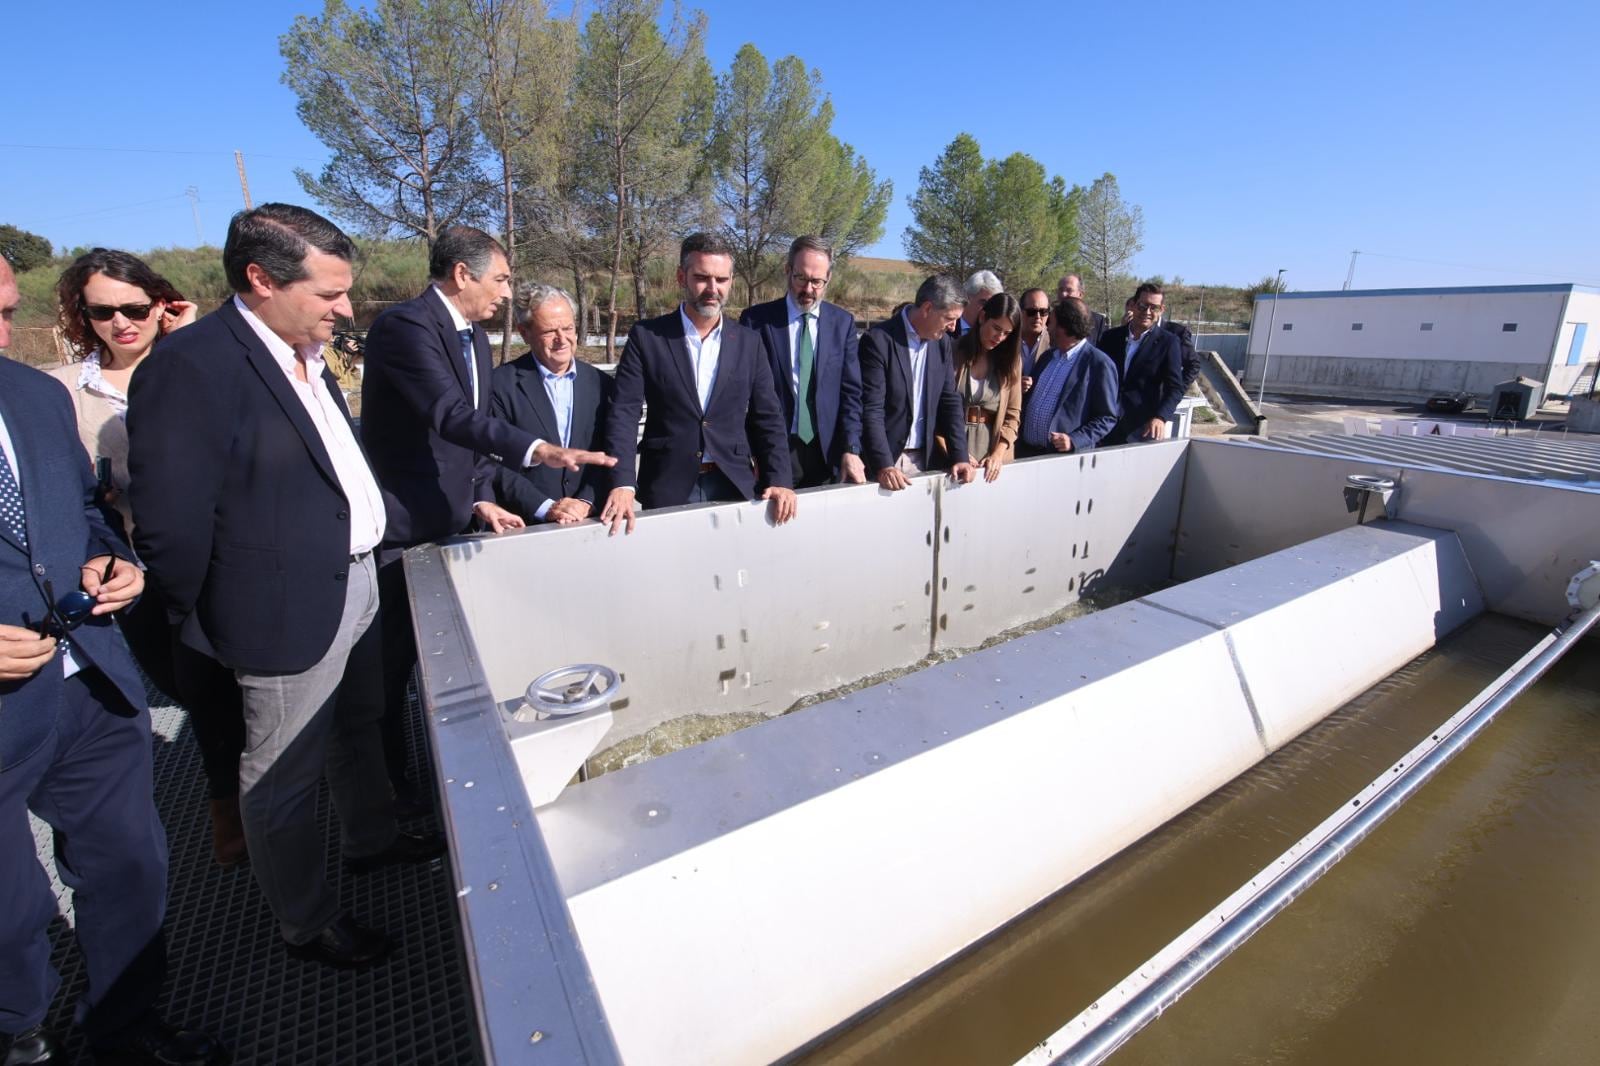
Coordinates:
<point>1104,1026</point>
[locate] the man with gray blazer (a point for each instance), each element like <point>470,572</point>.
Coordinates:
<point>556,397</point>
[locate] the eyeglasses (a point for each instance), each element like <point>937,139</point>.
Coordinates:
<point>808,283</point>
<point>1142,306</point>
<point>1038,311</point>
<point>131,312</point>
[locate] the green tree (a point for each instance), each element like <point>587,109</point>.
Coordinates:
<point>628,71</point>
<point>387,91</point>
<point>23,250</point>
<point>947,211</point>
<point>1112,233</point>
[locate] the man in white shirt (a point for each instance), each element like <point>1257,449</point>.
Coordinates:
<point>259,515</point>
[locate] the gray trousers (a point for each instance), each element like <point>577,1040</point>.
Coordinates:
<point>298,727</point>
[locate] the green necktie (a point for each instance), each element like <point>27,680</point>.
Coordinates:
<point>804,359</point>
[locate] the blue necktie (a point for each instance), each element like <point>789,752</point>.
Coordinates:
<point>11,504</point>
<point>469,356</point>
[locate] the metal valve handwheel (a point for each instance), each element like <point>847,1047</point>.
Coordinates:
<point>569,690</point>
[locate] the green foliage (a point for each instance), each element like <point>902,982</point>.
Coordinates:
<point>1003,215</point>
<point>387,91</point>
<point>23,250</point>
<point>1111,234</point>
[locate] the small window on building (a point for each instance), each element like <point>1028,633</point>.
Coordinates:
<point>1356,326</point>
<point>1509,327</point>
<point>1287,326</point>
<point>1427,327</point>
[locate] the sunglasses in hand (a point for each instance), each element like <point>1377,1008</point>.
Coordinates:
<point>72,609</point>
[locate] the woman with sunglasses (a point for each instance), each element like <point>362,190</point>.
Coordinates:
<point>113,309</point>
<point>988,364</point>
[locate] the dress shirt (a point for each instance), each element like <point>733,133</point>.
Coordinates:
<point>919,374</point>
<point>704,352</point>
<point>461,325</point>
<point>1032,352</point>
<point>558,387</point>
<point>1133,346</point>
<point>69,665</point>
<point>360,488</point>
<point>91,380</point>
<point>795,322</point>
<point>1046,397</point>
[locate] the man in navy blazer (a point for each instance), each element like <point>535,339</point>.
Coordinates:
<point>256,509</point>
<point>908,389</point>
<point>1070,287</point>
<point>432,443</point>
<point>557,397</point>
<point>1073,403</point>
<point>714,429</point>
<point>821,367</point>
<point>1149,368</point>
<point>74,742</point>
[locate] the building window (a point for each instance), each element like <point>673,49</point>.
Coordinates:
<point>1509,327</point>
<point>1580,330</point>
<point>1427,327</point>
<point>1356,326</point>
<point>1287,326</point>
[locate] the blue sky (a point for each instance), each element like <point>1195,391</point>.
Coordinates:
<point>1438,139</point>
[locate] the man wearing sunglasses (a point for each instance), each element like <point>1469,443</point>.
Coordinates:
<point>74,744</point>
<point>1034,337</point>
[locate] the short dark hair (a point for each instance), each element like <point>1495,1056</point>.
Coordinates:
<point>1072,317</point>
<point>118,266</point>
<point>1149,288</point>
<point>277,238</point>
<point>809,244</point>
<point>1023,299</point>
<point>703,244</point>
<point>943,292</point>
<point>462,244</point>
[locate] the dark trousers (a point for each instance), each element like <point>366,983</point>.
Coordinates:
<point>399,660</point>
<point>713,486</point>
<point>91,781</point>
<point>205,688</point>
<point>808,464</point>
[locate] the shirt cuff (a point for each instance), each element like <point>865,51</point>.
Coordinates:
<point>544,509</point>
<point>527,458</point>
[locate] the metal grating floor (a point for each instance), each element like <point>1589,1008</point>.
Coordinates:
<point>229,975</point>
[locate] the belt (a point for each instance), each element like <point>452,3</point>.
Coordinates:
<point>980,416</point>
<point>360,556</point>
<point>706,468</point>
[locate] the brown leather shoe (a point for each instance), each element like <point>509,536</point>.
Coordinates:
<point>227,832</point>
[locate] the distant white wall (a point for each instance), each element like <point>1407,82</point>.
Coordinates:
<point>1578,348</point>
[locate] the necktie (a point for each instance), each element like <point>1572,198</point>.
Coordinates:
<point>468,355</point>
<point>11,512</point>
<point>804,359</point>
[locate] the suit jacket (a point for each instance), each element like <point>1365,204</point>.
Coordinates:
<point>64,528</point>
<point>238,511</point>
<point>1149,388</point>
<point>886,384</point>
<point>1186,353</point>
<point>740,423</point>
<point>518,397</point>
<point>432,448</point>
<point>1099,328</point>
<point>836,372</point>
<point>1087,410</point>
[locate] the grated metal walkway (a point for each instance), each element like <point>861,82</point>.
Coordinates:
<point>1573,459</point>
<point>228,973</point>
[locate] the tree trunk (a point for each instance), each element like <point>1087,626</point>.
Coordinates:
<point>511,249</point>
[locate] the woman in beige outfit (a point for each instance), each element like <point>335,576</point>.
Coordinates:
<point>988,366</point>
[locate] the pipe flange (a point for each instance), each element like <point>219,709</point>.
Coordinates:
<point>1583,591</point>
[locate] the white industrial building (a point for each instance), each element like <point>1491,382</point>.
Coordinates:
<point>1408,344</point>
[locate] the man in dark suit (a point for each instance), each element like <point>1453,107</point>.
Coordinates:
<point>1149,369</point>
<point>977,289</point>
<point>811,347</point>
<point>714,430</point>
<point>258,514</point>
<point>426,427</point>
<point>1073,404</point>
<point>908,390</point>
<point>557,397</point>
<point>74,743</point>
<point>1070,287</point>
<point>1187,356</point>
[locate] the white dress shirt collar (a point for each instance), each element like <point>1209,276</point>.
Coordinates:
<point>456,317</point>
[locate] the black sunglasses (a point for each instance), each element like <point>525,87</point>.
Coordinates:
<point>73,609</point>
<point>131,312</point>
<point>1036,310</point>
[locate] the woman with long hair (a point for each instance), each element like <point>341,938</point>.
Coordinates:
<point>988,363</point>
<point>113,308</point>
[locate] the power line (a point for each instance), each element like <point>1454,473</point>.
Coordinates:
<point>1472,266</point>
<point>153,151</point>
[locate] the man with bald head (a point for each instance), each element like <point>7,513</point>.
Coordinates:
<point>1070,287</point>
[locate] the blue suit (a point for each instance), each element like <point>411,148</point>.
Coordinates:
<point>836,375</point>
<point>75,751</point>
<point>520,399</point>
<point>741,421</point>
<point>1151,384</point>
<point>1087,408</point>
